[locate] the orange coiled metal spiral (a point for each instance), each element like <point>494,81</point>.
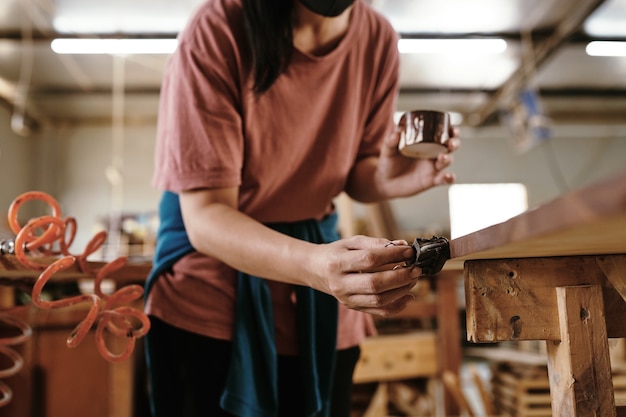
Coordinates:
<point>51,235</point>
<point>15,360</point>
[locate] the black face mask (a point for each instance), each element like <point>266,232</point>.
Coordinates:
<point>328,8</point>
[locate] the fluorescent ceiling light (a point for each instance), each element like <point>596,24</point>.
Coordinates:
<point>481,46</point>
<point>606,48</point>
<point>114,46</point>
<point>119,16</point>
<point>110,22</point>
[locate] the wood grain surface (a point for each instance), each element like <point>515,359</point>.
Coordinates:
<point>589,221</point>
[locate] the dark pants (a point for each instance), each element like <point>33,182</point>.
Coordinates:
<point>188,373</point>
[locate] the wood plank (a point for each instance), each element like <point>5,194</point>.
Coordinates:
<point>120,380</point>
<point>381,220</point>
<point>590,221</point>
<point>392,357</point>
<point>378,405</point>
<point>347,219</point>
<point>448,335</point>
<point>73,381</point>
<point>579,365</point>
<point>12,269</point>
<point>615,270</point>
<point>453,385</point>
<point>503,354</point>
<point>486,397</point>
<point>514,299</point>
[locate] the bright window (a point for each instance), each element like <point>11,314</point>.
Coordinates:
<point>476,206</point>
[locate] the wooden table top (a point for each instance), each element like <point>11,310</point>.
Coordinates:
<point>588,221</point>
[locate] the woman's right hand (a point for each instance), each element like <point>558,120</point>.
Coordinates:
<point>367,274</point>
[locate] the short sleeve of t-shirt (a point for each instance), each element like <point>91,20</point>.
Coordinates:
<point>199,133</point>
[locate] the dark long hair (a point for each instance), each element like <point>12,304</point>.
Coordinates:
<point>269,32</point>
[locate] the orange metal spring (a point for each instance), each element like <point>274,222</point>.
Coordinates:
<point>39,236</point>
<point>16,360</point>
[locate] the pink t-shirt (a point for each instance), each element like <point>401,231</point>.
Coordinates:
<point>289,150</point>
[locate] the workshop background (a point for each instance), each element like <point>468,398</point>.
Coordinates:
<point>544,108</point>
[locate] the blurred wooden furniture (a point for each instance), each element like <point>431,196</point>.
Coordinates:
<point>58,381</point>
<point>416,354</point>
<point>523,390</point>
<point>555,273</point>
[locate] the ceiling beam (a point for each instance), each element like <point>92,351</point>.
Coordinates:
<point>543,92</point>
<point>575,17</point>
<point>16,35</point>
<point>538,36</point>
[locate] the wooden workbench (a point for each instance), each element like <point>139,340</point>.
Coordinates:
<point>555,273</point>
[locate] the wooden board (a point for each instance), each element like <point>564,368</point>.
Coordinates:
<point>514,299</point>
<point>589,221</point>
<point>393,357</point>
<point>12,269</point>
<point>579,365</point>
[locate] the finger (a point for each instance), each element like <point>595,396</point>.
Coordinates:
<point>453,144</point>
<point>381,251</point>
<point>379,283</point>
<point>377,259</point>
<point>379,300</point>
<point>444,177</point>
<point>390,144</point>
<point>393,139</point>
<point>390,309</point>
<point>454,131</point>
<point>391,266</point>
<point>396,242</point>
<point>359,242</point>
<point>443,161</point>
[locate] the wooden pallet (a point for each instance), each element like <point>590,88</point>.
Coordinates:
<point>524,391</point>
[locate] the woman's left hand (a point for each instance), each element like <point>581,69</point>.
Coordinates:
<point>400,176</point>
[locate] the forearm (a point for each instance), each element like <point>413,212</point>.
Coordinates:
<point>362,183</point>
<point>223,232</point>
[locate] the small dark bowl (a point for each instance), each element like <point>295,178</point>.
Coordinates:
<point>424,133</point>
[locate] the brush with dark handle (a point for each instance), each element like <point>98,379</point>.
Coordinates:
<point>430,254</point>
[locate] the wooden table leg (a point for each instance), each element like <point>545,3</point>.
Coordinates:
<point>614,268</point>
<point>449,336</point>
<point>579,365</point>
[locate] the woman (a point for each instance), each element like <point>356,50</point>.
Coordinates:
<point>269,110</point>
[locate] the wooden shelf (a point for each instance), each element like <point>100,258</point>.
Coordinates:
<point>133,272</point>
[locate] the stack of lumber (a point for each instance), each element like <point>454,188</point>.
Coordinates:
<point>520,390</point>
